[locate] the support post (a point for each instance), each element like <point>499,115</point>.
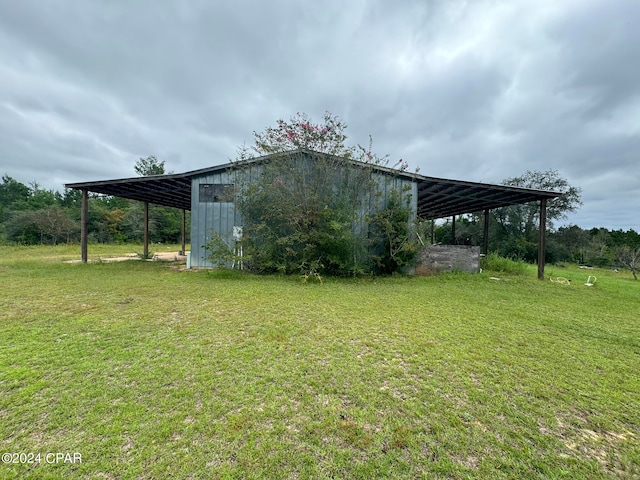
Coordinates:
<point>433,231</point>
<point>184,227</point>
<point>485,233</point>
<point>542,239</point>
<point>84,226</point>
<point>146,230</point>
<point>453,230</point>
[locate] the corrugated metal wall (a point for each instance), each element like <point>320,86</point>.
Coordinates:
<point>209,217</point>
<point>222,216</point>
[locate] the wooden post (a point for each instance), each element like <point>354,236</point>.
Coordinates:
<point>146,230</point>
<point>485,233</point>
<point>453,230</point>
<point>433,231</point>
<point>184,227</point>
<point>84,226</point>
<point>542,239</point>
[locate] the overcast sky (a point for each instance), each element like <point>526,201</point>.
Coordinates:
<point>473,90</point>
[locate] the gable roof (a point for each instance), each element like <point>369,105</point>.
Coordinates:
<point>437,197</point>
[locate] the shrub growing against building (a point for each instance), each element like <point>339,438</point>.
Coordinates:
<point>322,207</point>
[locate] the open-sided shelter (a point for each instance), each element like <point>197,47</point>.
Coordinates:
<point>211,194</point>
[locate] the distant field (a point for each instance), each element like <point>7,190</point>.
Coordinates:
<point>147,371</point>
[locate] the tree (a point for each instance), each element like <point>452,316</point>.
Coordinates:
<point>630,258</point>
<point>572,242</point>
<point>620,237</point>
<point>40,198</point>
<point>149,166</point>
<point>71,199</point>
<point>525,217</point>
<point>164,222</point>
<point>133,223</point>
<point>12,191</point>
<point>22,228</point>
<point>299,132</point>
<point>49,225</point>
<point>114,221</point>
<point>599,250</point>
<point>55,225</point>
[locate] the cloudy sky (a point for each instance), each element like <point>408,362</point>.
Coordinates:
<point>474,90</point>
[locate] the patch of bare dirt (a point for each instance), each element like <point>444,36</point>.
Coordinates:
<point>156,257</point>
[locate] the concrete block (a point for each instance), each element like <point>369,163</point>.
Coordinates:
<point>434,259</point>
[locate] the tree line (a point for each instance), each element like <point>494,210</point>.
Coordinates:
<point>31,215</point>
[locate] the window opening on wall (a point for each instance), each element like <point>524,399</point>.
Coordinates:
<point>216,192</point>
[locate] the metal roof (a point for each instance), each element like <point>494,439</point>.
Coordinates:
<point>441,197</point>
<point>437,197</point>
<point>166,190</point>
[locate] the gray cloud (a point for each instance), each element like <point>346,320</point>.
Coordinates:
<point>473,90</point>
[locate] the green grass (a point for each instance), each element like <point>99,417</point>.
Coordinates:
<point>153,372</point>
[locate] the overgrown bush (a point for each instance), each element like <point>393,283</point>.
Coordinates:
<point>392,235</point>
<point>299,216</point>
<point>316,212</point>
<point>221,254</point>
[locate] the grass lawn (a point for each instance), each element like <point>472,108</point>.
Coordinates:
<point>150,372</point>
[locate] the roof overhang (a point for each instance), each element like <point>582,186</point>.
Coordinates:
<point>437,197</point>
<point>440,197</point>
<point>166,190</point>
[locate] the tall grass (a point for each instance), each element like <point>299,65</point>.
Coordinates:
<point>495,263</point>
